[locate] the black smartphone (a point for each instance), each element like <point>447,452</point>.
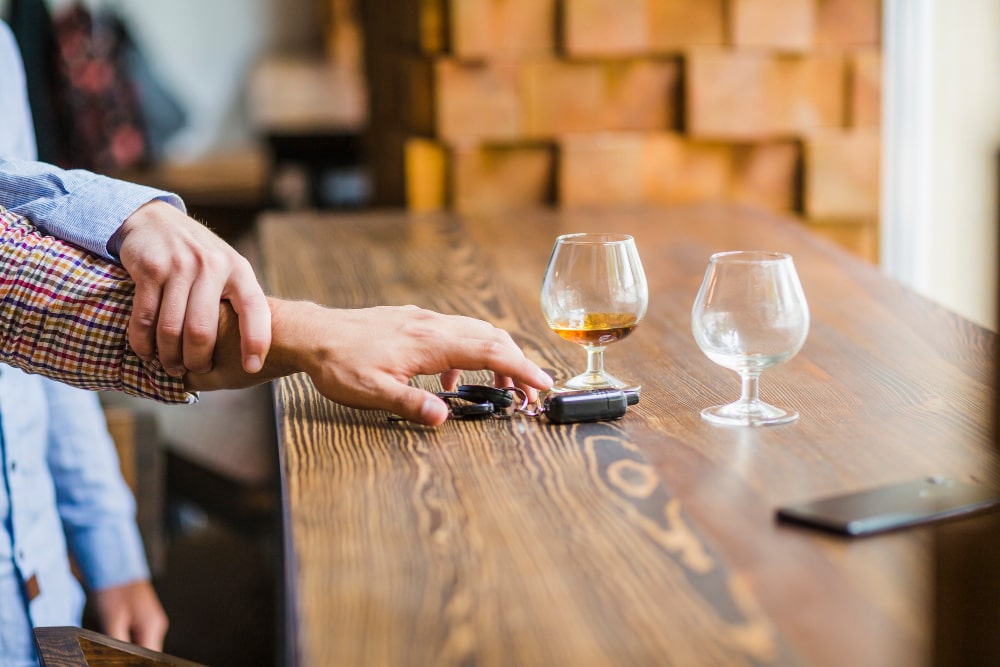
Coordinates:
<point>892,507</point>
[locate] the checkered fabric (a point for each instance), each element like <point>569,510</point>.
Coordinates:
<point>64,314</point>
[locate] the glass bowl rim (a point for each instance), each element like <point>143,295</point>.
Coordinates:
<point>750,256</point>
<point>597,238</point>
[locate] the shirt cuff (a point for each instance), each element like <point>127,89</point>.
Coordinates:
<point>105,214</point>
<point>109,555</point>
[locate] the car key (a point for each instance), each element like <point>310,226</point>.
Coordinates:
<point>477,393</point>
<point>588,405</point>
<point>466,410</point>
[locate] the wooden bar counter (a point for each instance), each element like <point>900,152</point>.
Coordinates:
<point>650,540</point>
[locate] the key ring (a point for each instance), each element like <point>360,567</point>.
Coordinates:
<point>523,408</point>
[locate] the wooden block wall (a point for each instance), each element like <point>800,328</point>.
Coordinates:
<point>481,105</point>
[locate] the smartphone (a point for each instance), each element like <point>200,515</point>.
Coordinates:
<point>892,507</point>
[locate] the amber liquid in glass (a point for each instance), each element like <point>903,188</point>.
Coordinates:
<point>598,328</point>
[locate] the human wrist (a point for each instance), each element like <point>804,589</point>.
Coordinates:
<point>135,219</point>
<point>294,346</point>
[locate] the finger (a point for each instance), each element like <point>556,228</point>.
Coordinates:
<point>201,324</point>
<point>449,379</point>
<point>473,344</point>
<point>250,304</point>
<point>531,393</point>
<point>498,354</point>
<point>170,326</point>
<point>116,627</point>
<point>415,405</point>
<point>142,323</point>
<point>503,381</point>
<point>149,635</point>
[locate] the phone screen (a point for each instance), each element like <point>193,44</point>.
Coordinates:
<point>891,507</point>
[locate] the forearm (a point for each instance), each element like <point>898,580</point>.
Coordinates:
<point>64,314</point>
<point>290,352</point>
<point>365,357</point>
<point>77,206</point>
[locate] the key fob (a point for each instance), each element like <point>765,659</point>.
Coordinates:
<point>587,406</point>
<point>467,410</point>
<point>475,393</point>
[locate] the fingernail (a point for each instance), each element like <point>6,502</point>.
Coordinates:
<point>175,372</point>
<point>254,363</point>
<point>543,379</point>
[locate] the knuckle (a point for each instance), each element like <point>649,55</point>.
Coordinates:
<point>256,303</point>
<point>425,333</point>
<point>214,261</point>
<point>241,265</point>
<point>254,343</point>
<point>422,315</point>
<point>179,263</point>
<point>151,269</point>
<point>169,331</point>
<point>199,334</point>
<point>142,319</point>
<point>504,336</point>
<point>492,350</point>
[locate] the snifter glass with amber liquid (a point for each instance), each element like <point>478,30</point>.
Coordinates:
<point>594,293</point>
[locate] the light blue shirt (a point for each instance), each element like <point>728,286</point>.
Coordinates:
<point>62,490</point>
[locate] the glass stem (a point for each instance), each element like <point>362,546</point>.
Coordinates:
<point>595,361</point>
<point>750,390</point>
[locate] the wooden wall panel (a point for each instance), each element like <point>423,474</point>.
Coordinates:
<point>503,103</point>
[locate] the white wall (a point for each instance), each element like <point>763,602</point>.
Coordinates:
<point>966,144</point>
<point>942,119</point>
<point>203,49</point>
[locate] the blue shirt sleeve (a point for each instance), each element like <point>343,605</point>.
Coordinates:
<point>96,506</point>
<point>75,205</point>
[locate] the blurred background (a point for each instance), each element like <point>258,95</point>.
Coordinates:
<point>875,123</point>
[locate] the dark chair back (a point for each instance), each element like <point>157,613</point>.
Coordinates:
<point>76,647</point>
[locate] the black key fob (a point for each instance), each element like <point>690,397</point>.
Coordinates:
<point>588,406</point>
<point>466,410</point>
<point>500,398</point>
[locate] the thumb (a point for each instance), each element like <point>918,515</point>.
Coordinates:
<point>417,405</point>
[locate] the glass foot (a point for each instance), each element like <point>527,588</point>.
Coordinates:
<point>743,413</point>
<point>585,381</point>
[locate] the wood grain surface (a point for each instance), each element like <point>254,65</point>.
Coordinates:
<point>646,541</point>
<point>68,646</point>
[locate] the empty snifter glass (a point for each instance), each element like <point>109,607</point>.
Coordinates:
<point>750,314</point>
<point>594,293</point>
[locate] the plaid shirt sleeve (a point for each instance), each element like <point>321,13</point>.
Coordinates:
<point>64,314</point>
